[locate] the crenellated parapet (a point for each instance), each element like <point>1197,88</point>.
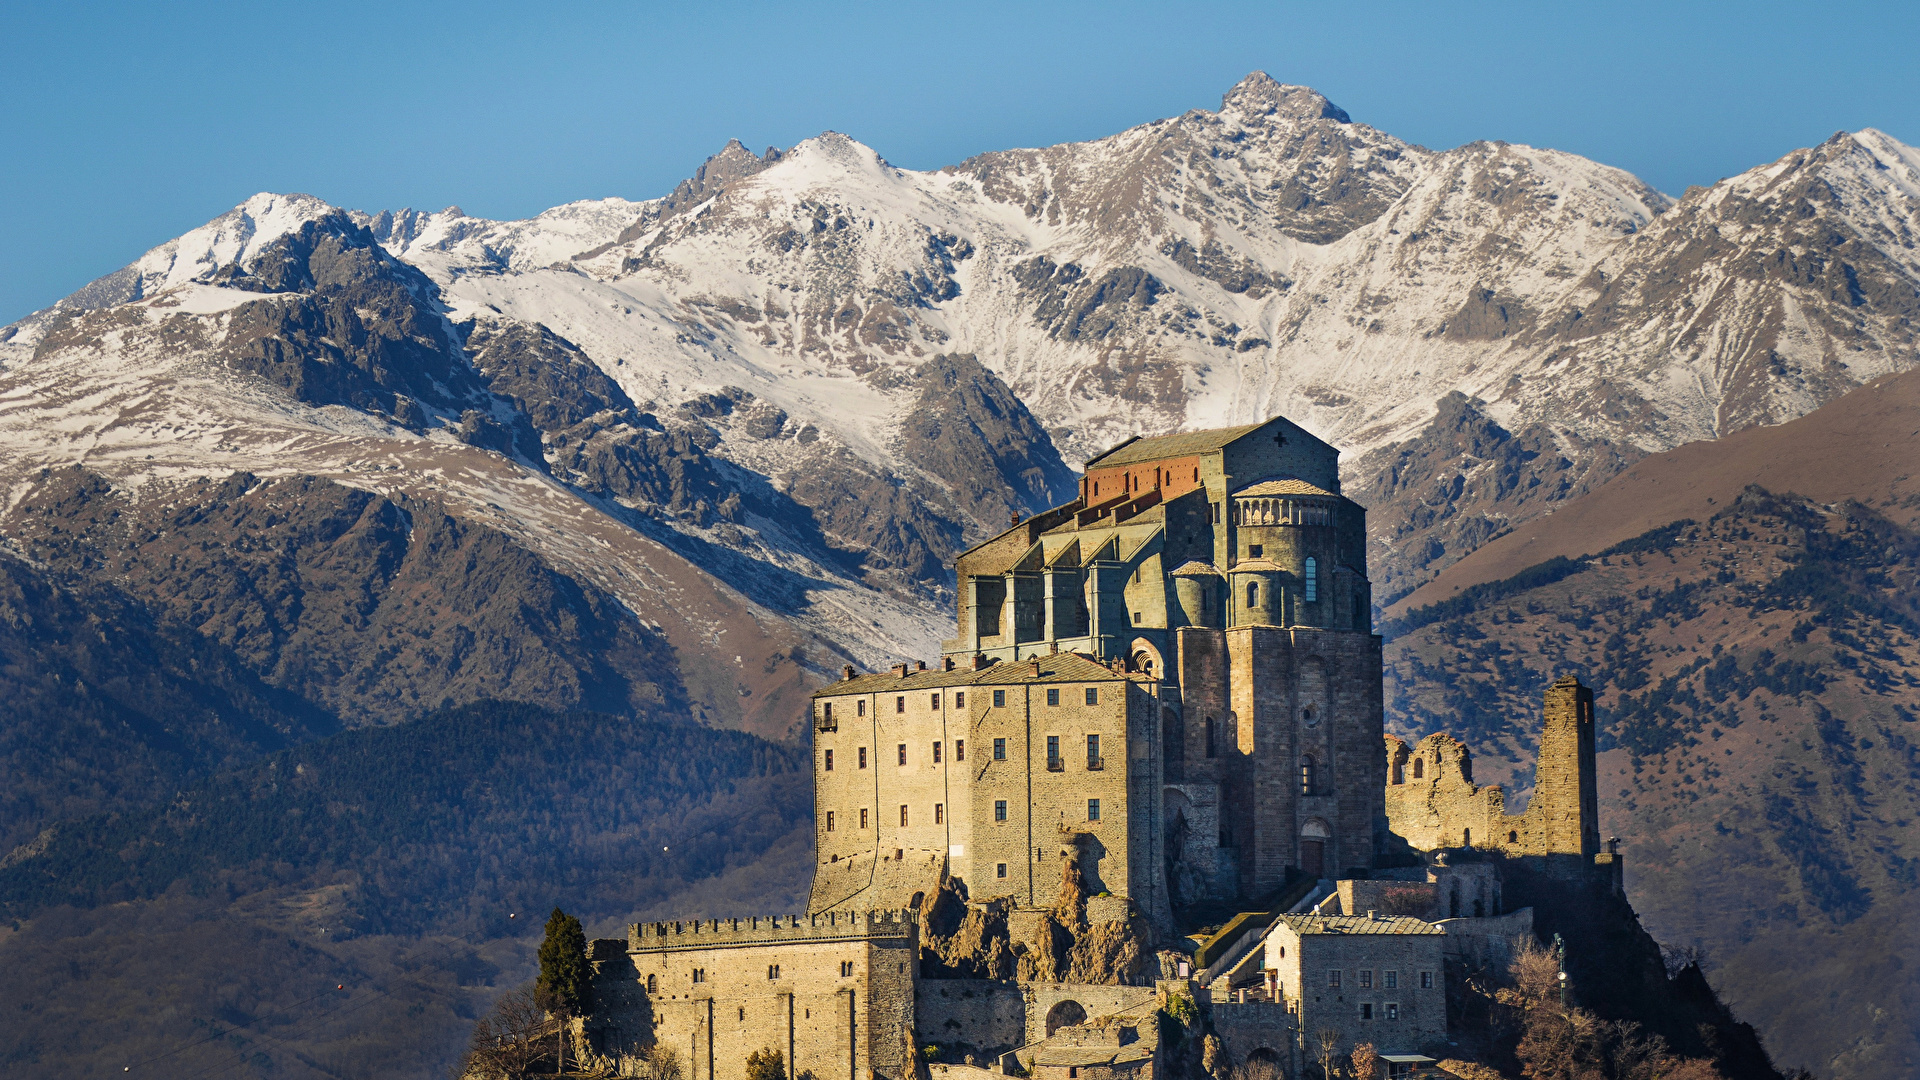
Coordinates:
<point>824,926</point>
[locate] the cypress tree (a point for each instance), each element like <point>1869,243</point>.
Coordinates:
<point>564,976</point>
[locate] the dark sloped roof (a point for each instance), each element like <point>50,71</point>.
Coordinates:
<point>1063,667</point>
<point>1177,445</point>
<point>1359,924</point>
<point>1282,485</point>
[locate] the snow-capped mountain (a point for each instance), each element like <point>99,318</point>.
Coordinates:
<point>806,378</point>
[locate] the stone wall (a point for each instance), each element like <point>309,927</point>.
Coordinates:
<point>834,992</point>
<point>1405,1017</point>
<point>983,1018</point>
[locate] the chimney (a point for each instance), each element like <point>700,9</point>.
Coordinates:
<point>847,672</point>
<point>1613,845</point>
<point>947,663</point>
<point>1371,916</point>
<point>1036,665</point>
<point>900,670</point>
<point>919,665</point>
<point>979,661</point>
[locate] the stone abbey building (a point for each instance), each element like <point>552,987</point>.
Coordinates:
<point>1165,692</point>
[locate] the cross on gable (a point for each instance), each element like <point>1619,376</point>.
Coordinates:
<point>1279,438</point>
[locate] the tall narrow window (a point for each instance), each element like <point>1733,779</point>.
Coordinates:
<point>999,749</point>
<point>900,704</point>
<point>1253,594</point>
<point>1312,575</point>
<point>903,817</point>
<point>863,817</point>
<point>1306,776</point>
<point>1053,752</point>
<point>1000,810</point>
<point>1093,809</point>
<point>999,699</point>
<point>959,749</point>
<point>1419,768</point>
<point>826,714</point>
<point>829,821</point>
<point>959,699</point>
<point>863,757</point>
<point>860,707</point>
<point>827,765</point>
<point>939,813</point>
<point>1093,695</point>
<point>651,984</point>
<point>936,753</point>
<point>903,753</point>
<point>1093,752</point>
<point>933,702</point>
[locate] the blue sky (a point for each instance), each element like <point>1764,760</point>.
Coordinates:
<point>124,125</point>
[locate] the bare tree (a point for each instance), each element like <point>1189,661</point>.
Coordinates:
<point>1329,1042</point>
<point>662,1062</point>
<point>506,1041</point>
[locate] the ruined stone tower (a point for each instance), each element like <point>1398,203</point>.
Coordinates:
<point>1565,805</point>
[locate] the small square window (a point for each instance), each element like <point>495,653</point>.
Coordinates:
<point>999,809</point>
<point>960,699</point>
<point>1053,695</point>
<point>999,870</point>
<point>1255,551</point>
<point>999,749</point>
<point>1393,1011</point>
<point>1093,809</point>
<point>999,699</point>
<point>1093,695</point>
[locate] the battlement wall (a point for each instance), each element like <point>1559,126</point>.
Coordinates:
<point>769,930</point>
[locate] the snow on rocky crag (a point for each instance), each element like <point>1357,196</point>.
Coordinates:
<point>771,405</point>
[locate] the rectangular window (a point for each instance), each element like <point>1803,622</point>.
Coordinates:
<point>1093,695</point>
<point>1366,980</point>
<point>827,763</point>
<point>846,969</point>
<point>933,702</point>
<point>829,821</point>
<point>773,971</point>
<point>959,749</point>
<point>960,699</point>
<point>863,757</point>
<point>1393,1010</point>
<point>903,817</point>
<point>939,813</point>
<point>826,713</point>
<point>1053,750</point>
<point>1093,752</point>
<point>999,699</point>
<point>999,869</point>
<point>936,753</point>
<point>1333,980</point>
<point>999,749</point>
<point>863,817</point>
<point>903,753</point>
<point>1392,980</point>
<point>900,704</point>
<point>1312,577</point>
<point>1213,517</point>
<point>1426,980</point>
<point>1093,809</point>
<point>860,707</point>
<point>1366,1010</point>
<point>699,975</point>
<point>999,809</point>
<point>1053,695</point>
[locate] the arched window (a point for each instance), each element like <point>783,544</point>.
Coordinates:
<point>1306,776</point>
<point>1313,580</point>
<point>1419,768</point>
<point>1253,594</point>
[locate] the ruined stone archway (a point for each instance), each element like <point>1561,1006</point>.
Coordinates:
<point>1065,1014</point>
<point>1144,657</point>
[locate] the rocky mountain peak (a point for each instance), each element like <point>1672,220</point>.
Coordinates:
<point>1259,94</point>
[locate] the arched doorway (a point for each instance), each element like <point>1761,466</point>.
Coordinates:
<point>1313,847</point>
<point>1064,1014</point>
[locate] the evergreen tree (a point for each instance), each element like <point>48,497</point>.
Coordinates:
<point>564,977</point>
<point>768,1064</point>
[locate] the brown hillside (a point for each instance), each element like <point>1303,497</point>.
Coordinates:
<point>1865,446</point>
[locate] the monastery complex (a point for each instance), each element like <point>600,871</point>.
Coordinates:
<point>1161,710</point>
